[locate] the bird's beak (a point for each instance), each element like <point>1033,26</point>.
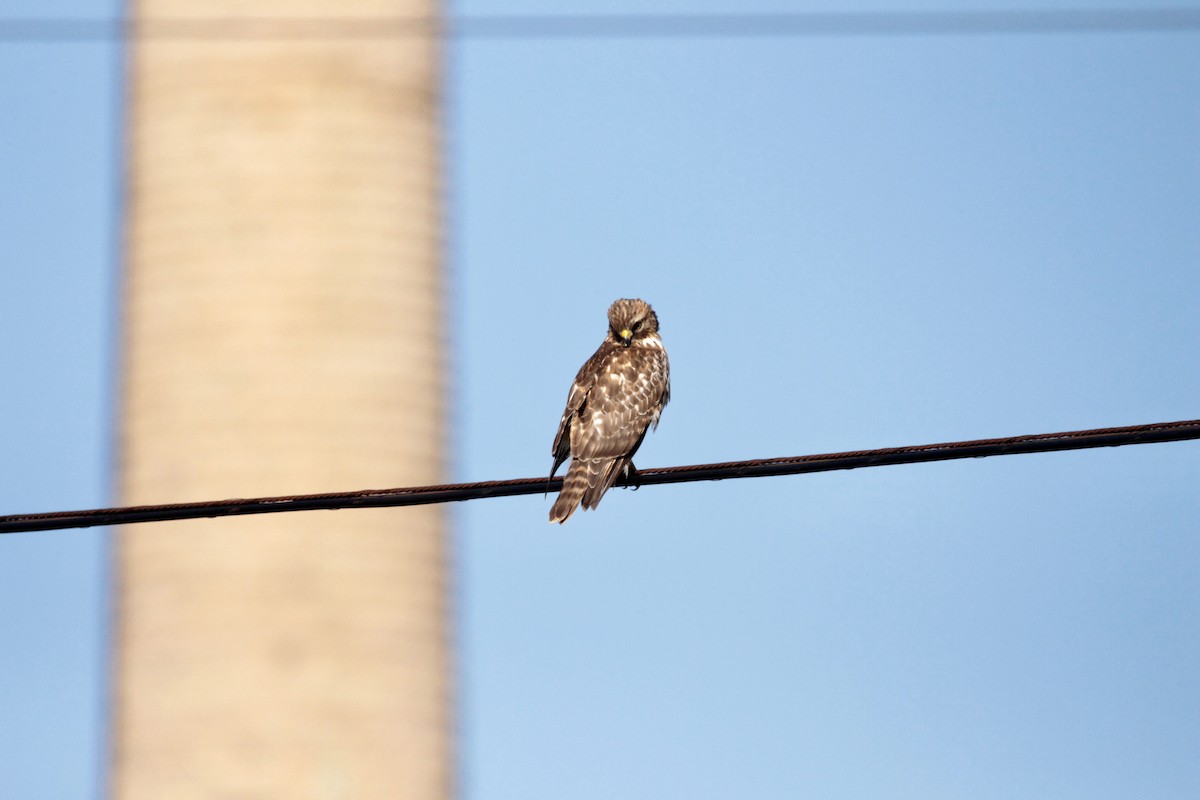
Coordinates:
<point>626,337</point>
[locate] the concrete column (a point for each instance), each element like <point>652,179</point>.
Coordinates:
<point>283,334</point>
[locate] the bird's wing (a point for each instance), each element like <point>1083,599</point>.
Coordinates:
<point>576,400</point>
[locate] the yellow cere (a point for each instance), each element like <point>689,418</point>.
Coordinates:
<point>625,334</point>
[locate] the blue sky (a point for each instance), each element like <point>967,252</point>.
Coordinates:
<point>851,242</point>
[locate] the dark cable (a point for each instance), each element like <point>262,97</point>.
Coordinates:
<point>423,495</point>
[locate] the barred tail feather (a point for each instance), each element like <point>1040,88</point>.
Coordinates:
<point>607,474</point>
<point>580,477</point>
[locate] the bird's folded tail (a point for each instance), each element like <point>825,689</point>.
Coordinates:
<point>586,481</point>
<point>609,471</point>
<point>577,480</point>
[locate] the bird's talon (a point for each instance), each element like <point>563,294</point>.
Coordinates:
<point>632,477</point>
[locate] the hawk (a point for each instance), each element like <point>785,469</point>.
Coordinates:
<point>617,395</point>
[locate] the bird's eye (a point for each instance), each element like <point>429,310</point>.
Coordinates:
<point>637,326</point>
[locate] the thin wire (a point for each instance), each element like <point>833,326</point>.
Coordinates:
<point>794,465</point>
<point>606,26</point>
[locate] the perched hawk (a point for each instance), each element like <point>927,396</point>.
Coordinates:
<point>618,393</point>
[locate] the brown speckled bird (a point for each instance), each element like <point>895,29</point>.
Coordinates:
<point>617,395</point>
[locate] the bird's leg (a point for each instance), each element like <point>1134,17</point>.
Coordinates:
<point>631,477</point>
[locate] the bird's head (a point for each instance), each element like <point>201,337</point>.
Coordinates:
<point>631,320</point>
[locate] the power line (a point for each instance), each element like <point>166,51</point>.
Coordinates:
<point>794,465</point>
<point>606,26</point>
